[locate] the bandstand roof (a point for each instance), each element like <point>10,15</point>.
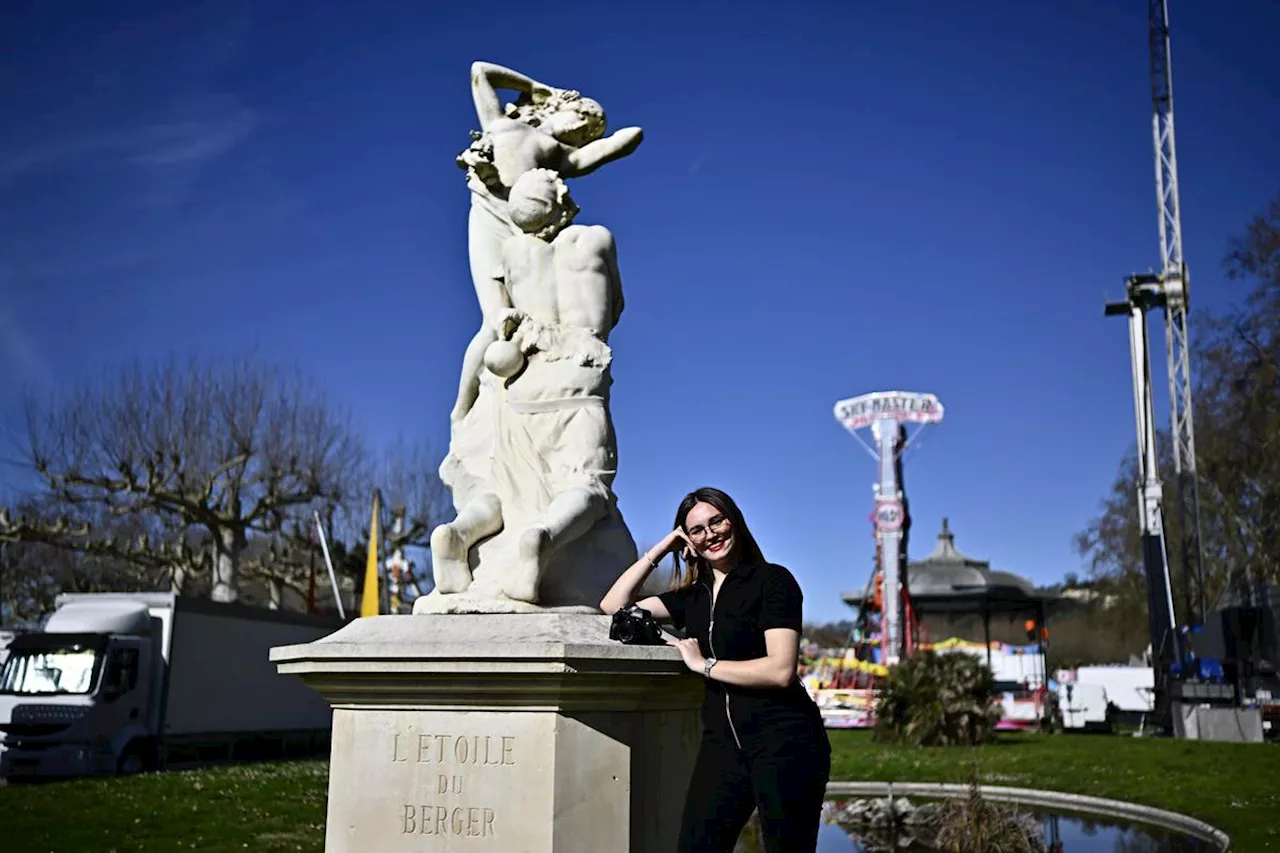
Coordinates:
<point>948,581</point>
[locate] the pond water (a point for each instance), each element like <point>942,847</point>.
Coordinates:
<point>1071,833</point>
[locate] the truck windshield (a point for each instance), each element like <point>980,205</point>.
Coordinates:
<point>49,671</point>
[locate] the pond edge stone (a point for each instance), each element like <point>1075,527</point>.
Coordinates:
<point>1056,800</point>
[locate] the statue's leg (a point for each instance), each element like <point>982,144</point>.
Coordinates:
<point>451,542</point>
<point>472,364</point>
<point>485,233</point>
<point>570,515</point>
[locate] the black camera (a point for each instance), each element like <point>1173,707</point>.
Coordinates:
<point>636,626</point>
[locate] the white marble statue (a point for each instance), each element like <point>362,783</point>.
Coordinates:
<point>546,128</point>
<point>533,454</point>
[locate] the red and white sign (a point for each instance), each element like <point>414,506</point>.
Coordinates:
<point>889,515</point>
<point>858,412</point>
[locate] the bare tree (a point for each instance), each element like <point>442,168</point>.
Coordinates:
<point>409,480</point>
<point>413,502</point>
<point>214,455</point>
<point>1240,389</point>
<point>137,551</point>
<point>278,570</point>
<point>36,565</point>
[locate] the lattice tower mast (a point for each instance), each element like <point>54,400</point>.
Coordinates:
<point>1174,281</point>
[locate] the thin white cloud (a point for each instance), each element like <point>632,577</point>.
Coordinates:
<point>191,143</point>
<point>186,142</point>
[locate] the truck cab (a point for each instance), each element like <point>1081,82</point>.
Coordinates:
<point>79,697</point>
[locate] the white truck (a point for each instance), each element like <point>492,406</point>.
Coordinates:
<point>124,682</point>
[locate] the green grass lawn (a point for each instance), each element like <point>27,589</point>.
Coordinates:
<point>280,807</point>
<point>1235,787</point>
<point>259,807</point>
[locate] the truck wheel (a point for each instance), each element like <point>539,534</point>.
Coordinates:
<point>131,762</point>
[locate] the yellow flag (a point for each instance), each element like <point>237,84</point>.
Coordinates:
<point>369,600</point>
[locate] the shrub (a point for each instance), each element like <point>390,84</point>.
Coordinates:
<point>937,700</point>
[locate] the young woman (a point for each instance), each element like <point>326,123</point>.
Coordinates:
<point>763,742</point>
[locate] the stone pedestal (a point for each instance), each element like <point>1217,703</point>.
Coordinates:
<point>501,732</point>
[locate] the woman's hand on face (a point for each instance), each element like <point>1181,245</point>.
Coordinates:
<point>690,653</point>
<point>678,540</point>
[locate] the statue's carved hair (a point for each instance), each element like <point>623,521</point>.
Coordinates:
<point>539,203</point>
<point>562,100</point>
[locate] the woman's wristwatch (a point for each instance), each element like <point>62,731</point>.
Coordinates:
<point>706,667</point>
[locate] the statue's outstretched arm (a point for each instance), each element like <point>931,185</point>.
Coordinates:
<point>486,77</point>
<point>593,155</point>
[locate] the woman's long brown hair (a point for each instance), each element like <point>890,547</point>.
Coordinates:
<point>745,549</point>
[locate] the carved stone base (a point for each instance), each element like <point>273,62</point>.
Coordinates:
<point>496,732</point>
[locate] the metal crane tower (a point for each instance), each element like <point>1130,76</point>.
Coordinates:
<point>1176,282</point>
<point>1167,289</point>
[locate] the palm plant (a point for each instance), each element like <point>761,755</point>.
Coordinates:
<point>937,700</point>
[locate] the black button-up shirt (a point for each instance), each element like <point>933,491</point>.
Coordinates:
<point>752,599</point>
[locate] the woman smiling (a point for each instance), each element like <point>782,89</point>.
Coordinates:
<point>763,743</point>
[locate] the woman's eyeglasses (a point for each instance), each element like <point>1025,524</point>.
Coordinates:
<point>719,524</point>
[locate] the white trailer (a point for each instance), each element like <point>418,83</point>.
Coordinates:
<point>122,682</point>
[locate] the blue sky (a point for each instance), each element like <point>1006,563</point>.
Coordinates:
<point>832,198</point>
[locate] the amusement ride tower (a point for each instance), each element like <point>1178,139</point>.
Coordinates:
<point>885,414</point>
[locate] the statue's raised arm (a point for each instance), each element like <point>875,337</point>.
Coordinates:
<point>487,78</point>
